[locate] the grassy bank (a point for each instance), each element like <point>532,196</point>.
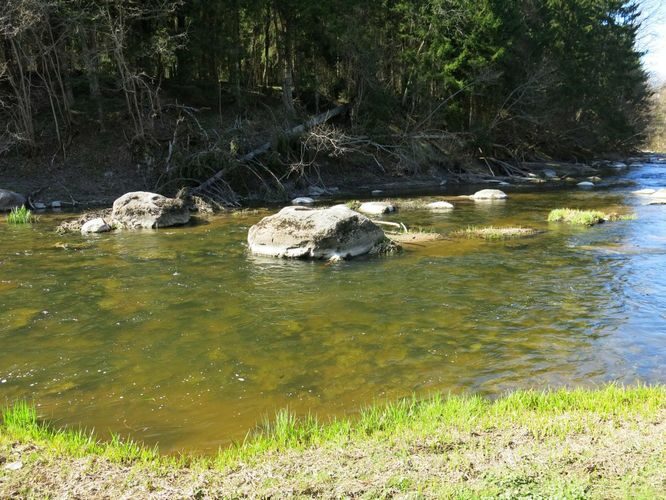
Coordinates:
<point>605,443</point>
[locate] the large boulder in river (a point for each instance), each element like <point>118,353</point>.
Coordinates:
<point>301,232</point>
<point>143,210</point>
<point>10,199</point>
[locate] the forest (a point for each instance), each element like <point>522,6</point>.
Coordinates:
<point>187,86</point>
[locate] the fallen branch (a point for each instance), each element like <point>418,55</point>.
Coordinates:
<point>264,148</point>
<point>392,224</point>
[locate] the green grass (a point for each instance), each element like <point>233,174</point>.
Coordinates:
<point>21,215</point>
<point>530,408</point>
<point>586,217</point>
<point>287,431</point>
<point>496,233</point>
<point>561,428</point>
<point>575,216</point>
<point>20,422</point>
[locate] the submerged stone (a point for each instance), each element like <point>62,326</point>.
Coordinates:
<point>302,232</point>
<point>439,205</point>
<point>144,210</point>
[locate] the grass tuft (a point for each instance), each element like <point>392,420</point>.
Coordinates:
<point>586,217</point>
<point>21,215</point>
<point>20,422</point>
<point>496,233</point>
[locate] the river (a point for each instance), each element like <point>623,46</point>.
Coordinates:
<point>180,338</point>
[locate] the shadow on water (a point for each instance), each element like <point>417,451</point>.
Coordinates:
<point>181,338</point>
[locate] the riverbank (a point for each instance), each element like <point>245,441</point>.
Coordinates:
<point>608,443</point>
<point>97,187</point>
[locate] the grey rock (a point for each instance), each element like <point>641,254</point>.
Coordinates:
<point>144,210</point>
<point>549,173</point>
<point>489,194</point>
<point>303,200</point>
<point>56,204</point>
<point>97,225</point>
<point>10,199</point>
<point>376,208</point>
<point>39,206</point>
<point>316,191</point>
<point>302,232</point>
<point>585,184</point>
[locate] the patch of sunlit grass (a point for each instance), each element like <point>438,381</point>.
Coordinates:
<point>21,215</point>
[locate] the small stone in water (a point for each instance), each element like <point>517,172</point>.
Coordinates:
<point>302,201</point>
<point>3,381</point>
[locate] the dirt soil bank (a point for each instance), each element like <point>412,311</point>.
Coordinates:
<point>98,183</point>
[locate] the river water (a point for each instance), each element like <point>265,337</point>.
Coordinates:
<point>179,337</point>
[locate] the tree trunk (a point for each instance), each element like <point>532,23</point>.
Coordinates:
<point>286,63</point>
<point>89,54</point>
<point>235,62</point>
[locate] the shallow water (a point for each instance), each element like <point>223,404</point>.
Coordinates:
<point>181,338</point>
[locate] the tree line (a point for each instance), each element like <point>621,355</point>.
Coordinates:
<point>501,78</point>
